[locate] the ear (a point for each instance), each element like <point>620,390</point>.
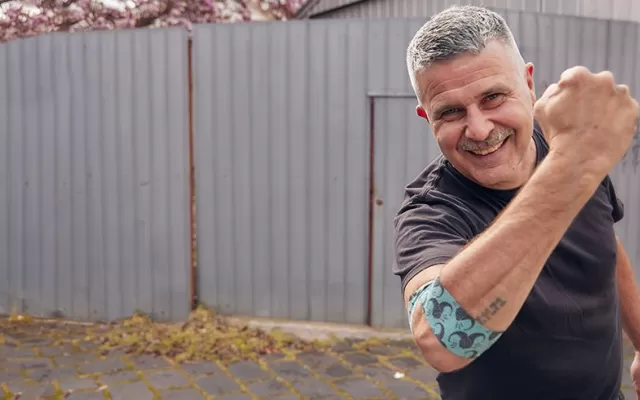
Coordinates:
<point>528,76</point>
<point>421,112</point>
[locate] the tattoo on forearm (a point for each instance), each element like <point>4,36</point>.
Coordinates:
<point>454,327</point>
<point>490,311</point>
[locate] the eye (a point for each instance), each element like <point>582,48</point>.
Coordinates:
<point>494,99</point>
<point>450,113</point>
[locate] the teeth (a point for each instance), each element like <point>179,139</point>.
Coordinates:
<point>489,150</point>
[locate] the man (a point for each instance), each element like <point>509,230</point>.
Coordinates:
<point>514,280</point>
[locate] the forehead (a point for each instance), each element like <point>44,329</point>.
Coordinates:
<point>469,75</point>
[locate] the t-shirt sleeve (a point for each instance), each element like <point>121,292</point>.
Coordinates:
<point>618,206</point>
<point>426,234</point>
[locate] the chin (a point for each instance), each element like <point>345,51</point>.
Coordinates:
<point>501,180</point>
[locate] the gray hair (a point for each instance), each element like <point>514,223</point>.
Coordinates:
<point>456,30</point>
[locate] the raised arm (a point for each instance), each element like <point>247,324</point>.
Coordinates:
<point>589,123</point>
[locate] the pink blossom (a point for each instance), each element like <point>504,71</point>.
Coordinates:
<point>32,17</point>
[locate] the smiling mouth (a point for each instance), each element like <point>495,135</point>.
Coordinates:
<point>489,150</point>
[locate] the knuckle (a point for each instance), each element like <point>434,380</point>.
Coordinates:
<point>575,73</point>
<point>623,89</point>
<point>606,78</point>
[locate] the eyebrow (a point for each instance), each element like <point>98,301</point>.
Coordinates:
<point>498,87</point>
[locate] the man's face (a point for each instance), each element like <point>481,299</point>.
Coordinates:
<point>481,112</point>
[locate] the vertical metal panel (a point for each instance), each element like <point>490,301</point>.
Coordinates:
<point>94,184</point>
<point>404,145</point>
<point>282,169</point>
<point>623,52</point>
<point>393,121</point>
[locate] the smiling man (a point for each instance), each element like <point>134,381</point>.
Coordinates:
<point>515,283</point>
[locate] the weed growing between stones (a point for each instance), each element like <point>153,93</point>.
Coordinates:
<point>205,335</point>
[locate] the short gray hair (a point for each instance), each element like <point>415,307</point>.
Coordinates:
<point>454,31</point>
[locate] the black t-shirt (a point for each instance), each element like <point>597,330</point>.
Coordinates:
<point>565,343</point>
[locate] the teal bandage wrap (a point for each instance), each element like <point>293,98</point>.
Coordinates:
<point>456,330</point>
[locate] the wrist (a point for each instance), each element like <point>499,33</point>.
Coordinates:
<point>572,170</point>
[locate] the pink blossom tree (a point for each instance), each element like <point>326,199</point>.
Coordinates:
<point>29,18</point>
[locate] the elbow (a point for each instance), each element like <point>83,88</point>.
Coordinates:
<point>438,357</point>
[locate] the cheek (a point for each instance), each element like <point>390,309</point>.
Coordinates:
<point>448,136</point>
<point>512,114</point>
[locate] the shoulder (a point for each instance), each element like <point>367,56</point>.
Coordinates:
<point>432,209</point>
<point>430,226</point>
<point>427,192</point>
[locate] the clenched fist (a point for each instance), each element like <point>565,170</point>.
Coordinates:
<point>588,118</point>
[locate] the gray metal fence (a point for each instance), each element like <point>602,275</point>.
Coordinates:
<point>305,135</point>
<point>94,193</point>
<point>281,162</point>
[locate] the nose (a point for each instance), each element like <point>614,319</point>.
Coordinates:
<point>478,127</point>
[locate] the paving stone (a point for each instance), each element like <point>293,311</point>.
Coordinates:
<point>360,388</point>
<point>405,363</point>
<point>166,379</point>
<point>247,371</point>
<point>360,358</point>
<point>236,397</point>
<point>424,374</point>
<point>37,392</point>
<point>267,389</point>
<point>273,357</point>
<point>35,363</point>
<point>112,353</point>
<point>217,384</point>
<point>626,378</point>
<point>33,341</point>
<point>378,372</point>
<point>50,351</point>
<point>315,360</point>
<point>149,362</point>
<point>17,386</point>
<point>119,377</point>
<point>406,390</point>
<point>76,358</point>
<point>313,388</point>
<point>77,384</point>
<point>88,346</point>
<point>181,394</point>
<point>290,370</point>
<point>342,347</point>
<point>383,350</point>
<point>128,391</point>
<point>201,368</point>
<point>15,352</point>
<point>86,396</point>
<point>10,376</point>
<point>337,370</point>
<point>102,366</point>
<point>42,375</point>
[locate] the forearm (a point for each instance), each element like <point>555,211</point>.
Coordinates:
<point>629,297</point>
<point>492,276</point>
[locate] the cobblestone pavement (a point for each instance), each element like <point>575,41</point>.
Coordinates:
<point>32,366</point>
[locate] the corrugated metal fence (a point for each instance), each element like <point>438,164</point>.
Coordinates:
<point>94,193</point>
<point>298,128</point>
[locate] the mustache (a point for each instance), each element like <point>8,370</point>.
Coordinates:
<point>496,136</point>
